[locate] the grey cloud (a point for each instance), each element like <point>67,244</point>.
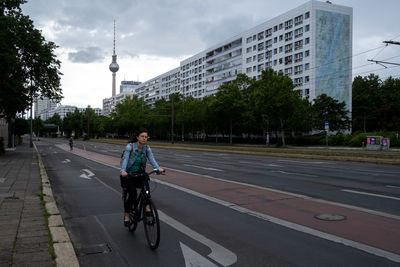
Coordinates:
<point>87,55</point>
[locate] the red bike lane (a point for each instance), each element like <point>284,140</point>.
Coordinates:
<point>373,230</point>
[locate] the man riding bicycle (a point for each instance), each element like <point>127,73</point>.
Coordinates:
<point>133,168</point>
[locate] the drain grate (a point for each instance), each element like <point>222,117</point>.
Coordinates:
<point>330,217</point>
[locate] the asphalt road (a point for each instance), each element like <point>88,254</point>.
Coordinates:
<point>198,231</point>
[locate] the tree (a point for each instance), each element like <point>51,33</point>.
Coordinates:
<point>273,96</point>
<point>129,115</point>
<point>331,110</point>
<point>365,102</point>
<point>229,105</point>
<point>28,65</point>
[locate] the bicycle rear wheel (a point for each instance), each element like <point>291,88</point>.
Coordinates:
<point>151,224</point>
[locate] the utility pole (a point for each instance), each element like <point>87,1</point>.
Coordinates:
<point>172,118</point>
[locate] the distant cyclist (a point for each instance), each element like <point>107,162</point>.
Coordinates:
<point>134,161</point>
<point>71,143</point>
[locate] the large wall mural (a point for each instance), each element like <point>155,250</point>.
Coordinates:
<point>333,55</point>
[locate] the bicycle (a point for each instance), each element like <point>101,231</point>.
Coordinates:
<point>150,218</point>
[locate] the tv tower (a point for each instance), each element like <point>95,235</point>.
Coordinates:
<point>114,66</point>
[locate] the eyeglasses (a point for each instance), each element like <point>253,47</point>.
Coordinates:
<point>143,136</point>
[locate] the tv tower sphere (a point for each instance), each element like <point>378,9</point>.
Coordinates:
<point>114,67</point>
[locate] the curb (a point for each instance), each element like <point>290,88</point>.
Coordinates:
<point>65,253</point>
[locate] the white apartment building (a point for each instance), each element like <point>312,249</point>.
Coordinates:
<point>42,106</point>
<point>312,44</point>
<point>128,86</point>
<point>110,103</point>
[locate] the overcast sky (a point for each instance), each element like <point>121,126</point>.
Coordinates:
<point>153,36</point>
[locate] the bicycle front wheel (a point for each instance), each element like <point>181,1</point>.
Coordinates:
<point>151,224</point>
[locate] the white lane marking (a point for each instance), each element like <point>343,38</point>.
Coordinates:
<point>2,180</point>
<point>369,194</point>
<point>66,161</point>
<point>272,165</point>
<point>192,258</point>
<point>87,175</point>
<point>291,225</point>
<point>204,168</point>
<point>296,173</point>
<point>218,253</point>
<point>245,162</point>
<point>306,162</point>
<point>392,186</point>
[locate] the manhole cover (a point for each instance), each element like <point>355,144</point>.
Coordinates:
<point>330,217</point>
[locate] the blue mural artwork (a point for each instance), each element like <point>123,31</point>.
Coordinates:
<point>333,55</point>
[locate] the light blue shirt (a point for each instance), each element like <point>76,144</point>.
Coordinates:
<point>130,154</point>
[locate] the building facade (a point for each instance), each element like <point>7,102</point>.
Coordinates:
<point>312,44</point>
<point>128,86</point>
<point>42,106</point>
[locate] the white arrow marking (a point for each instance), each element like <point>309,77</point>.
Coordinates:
<point>88,175</point>
<point>204,168</point>
<point>218,253</point>
<point>194,259</point>
<point>66,161</point>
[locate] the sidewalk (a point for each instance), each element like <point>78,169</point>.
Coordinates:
<point>24,235</point>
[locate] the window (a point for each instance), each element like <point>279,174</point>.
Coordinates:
<point>307,28</point>
<point>275,40</point>
<point>275,28</point>
<point>307,40</point>
<point>298,20</point>
<point>280,37</point>
<point>280,61</point>
<point>288,60</point>
<point>254,58</point>
<point>268,32</point>
<point>260,57</point>
<point>268,54</point>
<point>280,49</point>
<point>254,37</point>
<point>298,57</point>
<point>254,47</point>
<point>260,46</point>
<point>254,68</point>
<point>268,43</point>
<point>275,62</point>
<point>275,51</point>
<point>307,92</point>
<point>288,36</point>
<point>298,69</point>
<point>248,70</point>
<point>298,81</point>
<point>288,24</point>
<point>307,15</point>
<point>307,66</point>
<point>288,48</point>
<point>248,50</point>
<point>298,45</point>
<point>298,32</point>
<point>306,79</point>
<point>260,36</point>
<point>248,60</point>
<point>288,71</point>
<point>249,39</point>
<point>280,26</point>
<point>307,53</point>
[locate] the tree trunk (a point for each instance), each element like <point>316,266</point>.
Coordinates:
<point>230,134</point>
<point>283,133</point>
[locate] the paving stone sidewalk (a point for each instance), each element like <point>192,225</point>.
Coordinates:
<point>24,238</point>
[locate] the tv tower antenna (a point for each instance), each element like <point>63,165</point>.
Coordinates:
<point>114,67</point>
